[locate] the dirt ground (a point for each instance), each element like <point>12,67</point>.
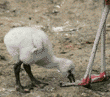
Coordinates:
<point>71,26</point>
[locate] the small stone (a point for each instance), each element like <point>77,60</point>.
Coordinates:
<point>58,95</point>
<point>16,25</point>
<point>57,6</point>
<point>7,11</point>
<point>55,11</point>
<point>14,10</point>
<point>2,57</point>
<point>84,94</point>
<point>37,22</point>
<point>30,18</point>
<point>43,79</point>
<point>53,78</point>
<point>52,89</point>
<point>63,52</point>
<point>74,29</point>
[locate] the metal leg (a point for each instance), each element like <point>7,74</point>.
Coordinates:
<point>87,77</point>
<point>102,76</point>
<point>103,63</point>
<point>91,60</point>
<point>103,38</point>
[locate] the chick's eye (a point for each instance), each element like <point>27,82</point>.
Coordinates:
<point>69,71</point>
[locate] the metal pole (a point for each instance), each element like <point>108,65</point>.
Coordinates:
<point>96,42</point>
<point>103,38</point>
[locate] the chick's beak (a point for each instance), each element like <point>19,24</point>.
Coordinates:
<point>71,76</point>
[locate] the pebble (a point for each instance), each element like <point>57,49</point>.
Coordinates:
<point>56,29</point>
<point>30,18</point>
<point>16,25</point>
<point>84,94</point>
<point>7,11</point>
<point>3,89</point>
<point>57,6</point>
<point>14,10</point>
<point>55,11</point>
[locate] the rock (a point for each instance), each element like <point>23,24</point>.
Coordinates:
<point>57,6</point>
<point>2,89</point>
<point>58,95</point>
<point>74,29</point>
<point>55,12</point>
<point>63,52</point>
<point>84,94</point>
<point>16,25</point>
<point>2,57</point>
<point>30,18</point>
<point>14,10</point>
<point>49,89</point>
<point>37,22</point>
<point>38,26</point>
<point>57,29</point>
<point>7,11</point>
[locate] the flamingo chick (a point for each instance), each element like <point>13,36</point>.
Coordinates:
<point>29,45</point>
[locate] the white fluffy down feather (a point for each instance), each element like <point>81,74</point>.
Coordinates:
<point>32,46</point>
